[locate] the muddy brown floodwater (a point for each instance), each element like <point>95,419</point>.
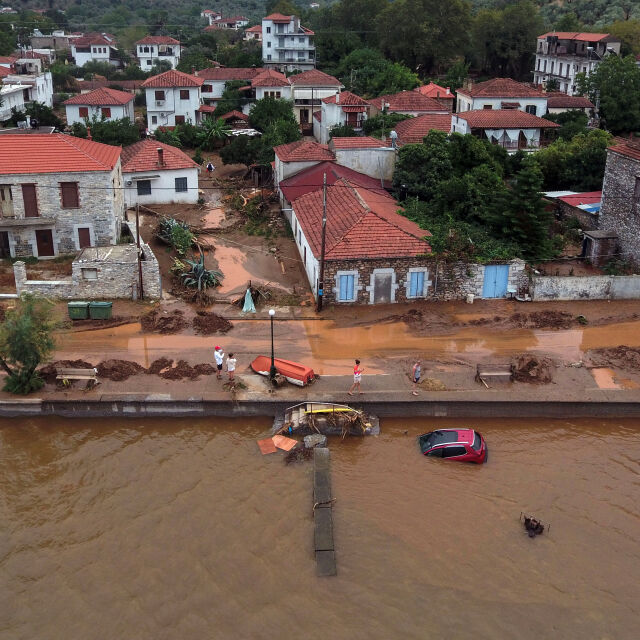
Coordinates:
<point>181,529</point>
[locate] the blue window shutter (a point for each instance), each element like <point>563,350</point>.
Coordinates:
<point>343,287</point>
<point>416,284</point>
<point>350,287</point>
<point>420,286</point>
<point>346,288</point>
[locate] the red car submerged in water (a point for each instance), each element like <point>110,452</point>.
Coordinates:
<point>464,445</point>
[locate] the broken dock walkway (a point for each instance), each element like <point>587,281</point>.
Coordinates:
<point>323,514</point>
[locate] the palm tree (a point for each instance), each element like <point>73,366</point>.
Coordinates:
<point>213,130</point>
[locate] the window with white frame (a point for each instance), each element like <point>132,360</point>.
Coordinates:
<point>417,283</point>
<point>347,286</point>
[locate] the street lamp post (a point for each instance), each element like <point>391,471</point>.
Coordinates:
<point>272,370</point>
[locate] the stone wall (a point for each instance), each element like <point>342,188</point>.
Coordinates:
<point>619,212</point>
<point>588,220</point>
<point>443,281</point>
<point>585,288</point>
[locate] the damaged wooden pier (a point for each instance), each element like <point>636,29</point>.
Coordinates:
<point>323,514</point>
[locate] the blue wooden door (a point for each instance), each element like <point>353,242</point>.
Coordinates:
<point>496,278</point>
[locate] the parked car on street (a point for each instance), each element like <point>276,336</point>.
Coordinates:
<point>464,445</point>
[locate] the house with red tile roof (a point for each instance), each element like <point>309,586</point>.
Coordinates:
<point>110,104</point>
<point>216,78</point>
<point>269,84</point>
<point>501,93</point>
<point>373,254</point>
<point>309,88</point>
<point>253,34</point>
<point>286,44</point>
<point>558,102</point>
<point>411,103</point>
<point>234,23</point>
<point>153,48</point>
<point>414,130</point>
<point>59,194</point>
<point>173,97</point>
<point>443,95</point>
<point>340,109</point>
<point>95,47</point>
<point>157,173</point>
<point>295,156</point>
<point>621,198</point>
<point>210,15</point>
<point>371,156</point>
<point>562,55</point>
<point>508,128</point>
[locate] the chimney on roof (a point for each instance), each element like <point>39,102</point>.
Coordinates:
<point>338,98</point>
<point>160,151</point>
<point>194,72</point>
<point>89,133</point>
<point>448,90</point>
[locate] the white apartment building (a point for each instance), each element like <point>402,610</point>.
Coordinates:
<point>97,47</point>
<point>37,87</point>
<point>286,44</point>
<point>152,48</point>
<point>173,98</point>
<point>561,55</point>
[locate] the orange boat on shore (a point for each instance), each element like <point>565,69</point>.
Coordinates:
<point>294,372</point>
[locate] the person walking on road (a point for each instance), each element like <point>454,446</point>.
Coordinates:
<point>231,366</point>
<point>415,376</point>
<point>218,354</point>
<point>357,378</point>
<point>210,168</point>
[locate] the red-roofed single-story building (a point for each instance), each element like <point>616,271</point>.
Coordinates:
<point>373,255</point>
<point>443,95</point>
<point>509,128</point>
<point>341,109</point>
<point>584,207</point>
<point>59,194</point>
<point>558,102</point>
<point>296,156</point>
<point>411,103</point>
<point>106,103</point>
<point>253,34</point>
<point>157,173</point>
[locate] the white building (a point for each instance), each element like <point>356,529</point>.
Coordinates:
<point>341,109</point>
<point>152,48</point>
<point>253,34</point>
<point>410,103</point>
<point>216,78</point>
<point>502,93</point>
<point>508,128</point>
<point>235,23</point>
<point>106,103</point>
<point>37,87</point>
<point>157,173</point>
<point>561,55</point>
<point>295,156</point>
<point>98,47</point>
<point>210,15</point>
<point>173,98</point>
<point>286,44</point>
<point>12,96</point>
<point>309,89</point>
<point>269,84</point>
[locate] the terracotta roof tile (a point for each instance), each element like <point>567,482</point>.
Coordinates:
<point>558,100</point>
<point>630,150</point>
<point>346,99</point>
<point>433,90</point>
<point>54,153</point>
<point>222,74</point>
<point>278,17</point>
<point>407,101</point>
<point>94,38</point>
<point>501,88</point>
<point>303,151</point>
<point>357,142</point>
<point>173,78</point>
<point>314,78</point>
<point>504,118</point>
<point>582,36</point>
<point>143,156</point>
<point>256,29</point>
<point>235,114</point>
<point>270,78</point>
<point>158,40</point>
<point>360,224</point>
<point>103,95</point>
<point>413,130</point>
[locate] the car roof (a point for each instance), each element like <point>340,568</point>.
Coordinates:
<point>452,436</point>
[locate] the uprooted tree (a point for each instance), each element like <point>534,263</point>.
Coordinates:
<point>26,341</point>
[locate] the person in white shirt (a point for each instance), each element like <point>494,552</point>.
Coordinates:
<point>218,354</point>
<point>231,366</point>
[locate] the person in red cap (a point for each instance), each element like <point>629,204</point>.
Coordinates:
<point>218,354</point>
<point>357,378</point>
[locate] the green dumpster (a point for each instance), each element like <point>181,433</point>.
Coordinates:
<point>100,310</point>
<point>78,310</point>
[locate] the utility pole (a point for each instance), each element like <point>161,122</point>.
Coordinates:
<point>139,252</point>
<point>322,249</point>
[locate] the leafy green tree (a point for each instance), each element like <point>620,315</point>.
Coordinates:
<point>569,22</point>
<point>168,136</point>
<point>629,33</point>
<point>193,58</point>
<point>616,84</point>
<point>93,68</point>
<point>212,132</point>
<point>572,123</point>
<point>242,150</point>
<point>268,111</point>
<point>342,131</point>
<point>379,126</point>
<point>115,132</point>
<point>41,112</point>
<point>231,98</point>
<point>159,66</point>
<point>26,341</point>
<point>524,217</point>
<point>456,74</point>
<point>552,84</point>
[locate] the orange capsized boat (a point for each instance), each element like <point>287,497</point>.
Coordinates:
<point>294,372</point>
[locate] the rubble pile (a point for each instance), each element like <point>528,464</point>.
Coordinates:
<point>528,367</point>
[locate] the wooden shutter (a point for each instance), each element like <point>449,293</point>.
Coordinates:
<point>69,192</point>
<point>30,201</point>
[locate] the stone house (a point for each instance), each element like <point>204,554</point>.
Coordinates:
<point>157,173</point>
<point>235,23</point>
<point>620,209</point>
<point>58,194</point>
<point>340,109</point>
<point>173,98</point>
<point>508,128</point>
<point>152,48</point>
<point>502,93</point>
<point>411,103</point>
<point>106,103</point>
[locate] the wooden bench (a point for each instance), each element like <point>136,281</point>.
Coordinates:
<point>67,375</point>
<point>494,372</point>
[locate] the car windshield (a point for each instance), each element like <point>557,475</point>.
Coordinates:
<point>435,438</point>
<point>477,442</point>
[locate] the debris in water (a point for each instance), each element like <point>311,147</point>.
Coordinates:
<point>267,446</point>
<point>533,526</point>
<point>622,357</point>
<point>284,443</point>
<point>163,322</point>
<point>298,455</point>
<point>206,324</point>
